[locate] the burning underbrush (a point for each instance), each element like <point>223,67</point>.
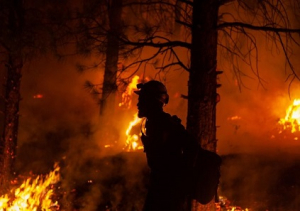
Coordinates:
<point>33,194</point>
<point>269,132</point>
<point>288,128</point>
<point>116,182</point>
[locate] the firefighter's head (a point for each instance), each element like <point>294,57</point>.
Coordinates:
<point>152,97</point>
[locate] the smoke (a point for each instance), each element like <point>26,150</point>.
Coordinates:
<point>261,181</point>
<point>63,125</point>
<point>59,122</point>
<point>258,94</point>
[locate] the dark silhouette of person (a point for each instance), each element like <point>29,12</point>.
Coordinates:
<point>164,145</point>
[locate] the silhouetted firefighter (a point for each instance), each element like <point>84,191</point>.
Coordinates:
<point>164,147</point>
<point>181,171</point>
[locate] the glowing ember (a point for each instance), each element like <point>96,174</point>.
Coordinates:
<point>132,141</point>
<point>32,195</point>
<point>107,146</point>
<point>292,117</point>
<point>38,96</point>
<point>224,205</point>
<point>234,118</point>
<point>126,96</point>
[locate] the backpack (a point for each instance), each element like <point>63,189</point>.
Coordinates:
<point>205,175</point>
<point>202,167</point>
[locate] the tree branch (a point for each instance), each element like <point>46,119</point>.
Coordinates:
<point>257,28</point>
<point>184,23</point>
<point>157,44</point>
<point>173,64</point>
<point>287,56</point>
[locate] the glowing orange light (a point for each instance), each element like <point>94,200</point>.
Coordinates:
<point>107,146</point>
<point>224,205</point>
<point>126,96</point>
<point>132,141</point>
<point>234,118</point>
<point>292,117</point>
<point>38,96</point>
<point>32,195</point>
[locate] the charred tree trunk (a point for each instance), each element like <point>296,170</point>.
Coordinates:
<point>8,144</point>
<point>112,55</point>
<point>201,119</point>
<point>14,64</point>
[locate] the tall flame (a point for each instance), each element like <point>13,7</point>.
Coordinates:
<point>32,195</point>
<point>132,141</point>
<point>126,96</point>
<point>292,117</point>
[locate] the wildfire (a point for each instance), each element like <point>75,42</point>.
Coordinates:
<point>292,117</point>
<point>132,141</point>
<point>126,96</point>
<point>32,195</point>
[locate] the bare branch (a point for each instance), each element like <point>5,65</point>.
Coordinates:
<point>287,57</point>
<point>184,23</point>
<point>157,44</point>
<point>173,64</point>
<point>143,60</point>
<point>257,28</point>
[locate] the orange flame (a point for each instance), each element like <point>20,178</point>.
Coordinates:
<point>224,205</point>
<point>126,96</point>
<point>32,195</point>
<point>132,141</point>
<point>292,117</point>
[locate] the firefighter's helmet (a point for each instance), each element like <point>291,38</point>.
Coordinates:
<point>153,89</point>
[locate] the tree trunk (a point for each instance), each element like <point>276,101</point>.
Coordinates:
<point>107,102</point>
<point>14,64</point>
<point>8,142</point>
<point>201,119</point>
